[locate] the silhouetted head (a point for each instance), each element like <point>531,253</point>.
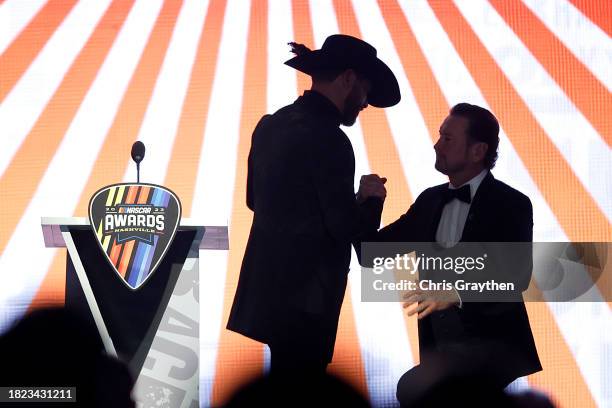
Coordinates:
<point>54,347</point>
<point>348,87</point>
<point>469,137</point>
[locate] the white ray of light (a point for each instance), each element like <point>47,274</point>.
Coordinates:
<point>213,195</point>
<point>589,43</point>
<point>588,155</point>
<point>163,113</point>
<point>282,80</point>
<point>323,20</point>
<point>15,15</point>
<point>587,329</point>
<point>67,173</point>
<point>25,102</point>
<point>383,340</point>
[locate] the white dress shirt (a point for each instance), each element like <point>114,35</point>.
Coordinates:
<point>455,214</point>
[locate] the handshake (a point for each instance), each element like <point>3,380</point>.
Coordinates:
<point>371,185</point>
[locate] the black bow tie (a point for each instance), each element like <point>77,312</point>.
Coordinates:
<point>462,194</point>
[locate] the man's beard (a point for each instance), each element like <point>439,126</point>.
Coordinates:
<point>352,107</point>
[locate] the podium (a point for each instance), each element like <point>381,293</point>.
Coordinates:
<point>154,329</point>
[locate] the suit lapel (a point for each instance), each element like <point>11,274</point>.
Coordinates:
<point>477,208</point>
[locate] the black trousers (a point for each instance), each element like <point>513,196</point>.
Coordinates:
<point>304,344</point>
<point>296,358</point>
<point>463,374</point>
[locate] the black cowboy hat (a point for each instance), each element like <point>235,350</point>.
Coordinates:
<point>343,51</point>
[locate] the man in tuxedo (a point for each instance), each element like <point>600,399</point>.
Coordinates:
<point>306,215</point>
<point>491,340</point>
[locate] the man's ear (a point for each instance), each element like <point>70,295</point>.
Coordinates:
<point>479,151</point>
<point>348,77</point>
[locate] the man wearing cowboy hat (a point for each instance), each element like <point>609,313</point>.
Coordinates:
<point>301,170</point>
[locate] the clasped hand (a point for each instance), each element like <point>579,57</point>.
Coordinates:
<point>371,185</point>
<point>426,302</point>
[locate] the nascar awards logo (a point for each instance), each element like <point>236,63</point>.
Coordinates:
<point>134,225</point>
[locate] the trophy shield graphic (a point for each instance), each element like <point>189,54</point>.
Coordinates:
<point>134,225</point>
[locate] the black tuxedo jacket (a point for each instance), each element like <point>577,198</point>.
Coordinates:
<point>498,213</point>
<point>300,186</point>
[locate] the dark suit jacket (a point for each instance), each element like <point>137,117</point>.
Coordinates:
<point>498,213</point>
<point>300,187</point>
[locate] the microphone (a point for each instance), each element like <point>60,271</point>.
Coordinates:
<point>138,153</point>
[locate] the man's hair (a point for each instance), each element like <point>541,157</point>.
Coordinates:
<point>482,127</point>
<point>330,74</point>
<point>327,75</point>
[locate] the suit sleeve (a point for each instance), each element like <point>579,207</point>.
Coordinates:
<point>250,197</point>
<point>333,172</point>
<point>401,230</point>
